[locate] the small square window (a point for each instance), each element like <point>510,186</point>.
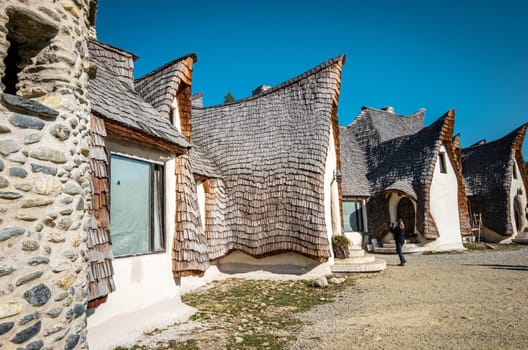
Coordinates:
<point>442,163</point>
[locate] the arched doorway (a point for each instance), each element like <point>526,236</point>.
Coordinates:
<point>406,212</point>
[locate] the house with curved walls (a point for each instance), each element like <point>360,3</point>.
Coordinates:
<point>395,167</point>
<point>264,177</point>
<point>496,186</point>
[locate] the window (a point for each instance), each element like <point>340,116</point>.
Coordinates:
<point>515,170</point>
<point>353,216</point>
<point>136,206</point>
<point>442,162</point>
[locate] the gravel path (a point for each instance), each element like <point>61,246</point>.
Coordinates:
<point>475,300</point>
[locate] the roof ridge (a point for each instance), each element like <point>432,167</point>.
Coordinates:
<point>168,64</point>
<point>114,48</point>
<point>340,58</point>
<point>515,132</point>
<point>419,113</point>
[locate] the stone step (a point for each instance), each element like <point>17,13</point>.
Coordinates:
<point>406,245</point>
<point>344,268</point>
<point>406,249</point>
<point>359,259</point>
<point>356,252</point>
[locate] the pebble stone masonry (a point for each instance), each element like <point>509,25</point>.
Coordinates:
<point>44,172</point>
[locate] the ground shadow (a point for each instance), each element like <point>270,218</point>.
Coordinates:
<point>502,267</point>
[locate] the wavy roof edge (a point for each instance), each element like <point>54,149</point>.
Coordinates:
<point>337,59</point>
<point>167,65</point>
<point>114,48</point>
<point>513,134</point>
<point>420,113</point>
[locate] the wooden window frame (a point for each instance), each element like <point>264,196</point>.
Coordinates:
<point>153,165</point>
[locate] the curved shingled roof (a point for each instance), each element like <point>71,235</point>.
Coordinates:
<point>271,150</point>
<point>160,86</point>
<point>113,98</point>
<point>394,153</point>
<point>488,171</point>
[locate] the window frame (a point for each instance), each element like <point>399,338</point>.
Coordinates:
<point>442,162</point>
<point>358,213</point>
<point>161,198</point>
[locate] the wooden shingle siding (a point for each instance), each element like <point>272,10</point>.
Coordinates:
<point>488,171</point>
<point>99,242</point>
<point>189,255</point>
<point>270,154</point>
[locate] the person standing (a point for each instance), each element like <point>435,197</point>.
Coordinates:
<point>398,232</point>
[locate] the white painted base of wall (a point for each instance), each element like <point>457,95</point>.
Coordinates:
<point>111,325</point>
<point>125,328</point>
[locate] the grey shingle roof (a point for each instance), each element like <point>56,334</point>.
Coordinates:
<point>353,165</point>
<point>160,86</point>
<point>393,153</point>
<point>113,99</point>
<point>488,171</point>
<point>271,150</point>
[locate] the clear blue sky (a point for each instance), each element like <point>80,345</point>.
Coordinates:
<point>468,55</point>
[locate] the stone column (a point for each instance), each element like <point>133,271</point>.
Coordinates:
<point>44,175</point>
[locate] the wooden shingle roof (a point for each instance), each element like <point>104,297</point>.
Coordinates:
<point>488,171</point>
<point>113,98</point>
<point>270,151</point>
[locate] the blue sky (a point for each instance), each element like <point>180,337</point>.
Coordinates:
<point>468,55</point>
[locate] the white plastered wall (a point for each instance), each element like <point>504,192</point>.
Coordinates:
<point>200,192</point>
<point>518,192</point>
<point>146,296</point>
<point>331,195</point>
<point>444,207</point>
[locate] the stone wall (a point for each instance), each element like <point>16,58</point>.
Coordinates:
<point>44,173</point>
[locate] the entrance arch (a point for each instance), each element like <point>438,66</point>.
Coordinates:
<point>406,212</point>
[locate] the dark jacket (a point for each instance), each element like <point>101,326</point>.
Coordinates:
<point>399,234</point>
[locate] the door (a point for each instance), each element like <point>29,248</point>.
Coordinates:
<point>406,212</point>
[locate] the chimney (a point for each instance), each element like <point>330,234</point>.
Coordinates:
<point>260,89</point>
<point>197,100</point>
<point>389,109</point>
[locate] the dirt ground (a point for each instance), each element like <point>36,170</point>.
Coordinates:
<point>474,300</point>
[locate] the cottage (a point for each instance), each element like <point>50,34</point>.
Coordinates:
<point>395,167</point>
<point>496,186</point>
<point>134,155</point>
<point>263,171</point>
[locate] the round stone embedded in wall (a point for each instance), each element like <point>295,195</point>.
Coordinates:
<point>38,260</point>
<point>30,246</point>
<point>8,146</point>
<point>6,270</point>
<point>71,341</point>
<point>60,131</point>
<point>32,138</point>
<point>10,308</point>
<point>18,172</point>
<point>10,195</point>
<point>6,327</point>
<point>3,182</point>
<point>28,278</point>
<point>26,122</point>
<point>46,153</point>
<point>27,333</point>
<point>38,295</point>
<point>11,232</point>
